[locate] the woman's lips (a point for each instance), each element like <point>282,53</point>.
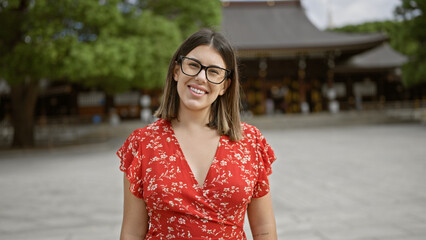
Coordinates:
<point>197,90</point>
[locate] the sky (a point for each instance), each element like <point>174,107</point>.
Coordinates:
<point>345,12</point>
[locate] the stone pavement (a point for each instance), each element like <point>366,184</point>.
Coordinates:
<point>343,181</point>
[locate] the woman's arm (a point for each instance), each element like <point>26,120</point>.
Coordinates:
<point>261,218</point>
<point>135,216</point>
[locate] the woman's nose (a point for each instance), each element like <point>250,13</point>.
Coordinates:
<point>202,75</point>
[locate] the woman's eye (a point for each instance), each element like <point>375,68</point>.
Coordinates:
<point>194,65</point>
<point>214,71</point>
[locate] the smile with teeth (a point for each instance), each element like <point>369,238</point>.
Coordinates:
<point>198,91</point>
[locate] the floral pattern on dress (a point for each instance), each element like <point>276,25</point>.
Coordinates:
<point>178,207</point>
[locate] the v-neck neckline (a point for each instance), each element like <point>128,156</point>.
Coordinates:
<point>194,179</point>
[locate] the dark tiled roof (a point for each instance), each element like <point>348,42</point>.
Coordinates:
<point>381,57</point>
<point>284,25</point>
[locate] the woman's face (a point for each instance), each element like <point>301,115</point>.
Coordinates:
<point>196,93</point>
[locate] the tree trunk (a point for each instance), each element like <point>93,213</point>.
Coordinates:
<point>24,97</point>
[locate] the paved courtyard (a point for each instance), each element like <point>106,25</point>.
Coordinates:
<point>356,182</point>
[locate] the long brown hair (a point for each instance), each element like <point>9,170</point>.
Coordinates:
<point>225,110</point>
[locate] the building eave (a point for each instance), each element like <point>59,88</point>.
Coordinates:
<point>262,28</point>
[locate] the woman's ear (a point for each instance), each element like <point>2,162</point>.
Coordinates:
<point>225,86</point>
<point>176,72</point>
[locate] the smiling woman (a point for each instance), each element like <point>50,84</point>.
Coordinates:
<point>195,172</point>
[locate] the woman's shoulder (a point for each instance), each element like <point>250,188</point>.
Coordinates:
<point>247,128</point>
<point>253,136</point>
<point>153,130</point>
<point>145,137</point>
<point>250,132</point>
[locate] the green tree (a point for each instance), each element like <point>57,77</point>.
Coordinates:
<point>413,16</point>
<point>177,11</point>
<point>113,45</point>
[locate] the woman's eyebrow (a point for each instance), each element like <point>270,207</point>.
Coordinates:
<point>215,66</point>
<point>196,59</point>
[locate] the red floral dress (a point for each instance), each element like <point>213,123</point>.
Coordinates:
<point>178,208</point>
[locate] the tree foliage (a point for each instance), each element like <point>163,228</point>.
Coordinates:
<point>407,35</point>
<point>413,15</point>
<point>113,45</point>
<point>178,12</point>
<point>110,44</point>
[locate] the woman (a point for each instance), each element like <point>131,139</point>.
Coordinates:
<point>195,172</point>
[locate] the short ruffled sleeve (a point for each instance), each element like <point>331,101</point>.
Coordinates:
<point>266,157</point>
<point>130,154</point>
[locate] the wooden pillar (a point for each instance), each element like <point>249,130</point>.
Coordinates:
<point>333,104</point>
<point>260,96</point>
<point>301,74</point>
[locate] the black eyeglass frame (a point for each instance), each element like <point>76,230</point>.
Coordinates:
<point>227,71</point>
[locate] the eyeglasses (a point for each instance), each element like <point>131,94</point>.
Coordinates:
<point>192,67</point>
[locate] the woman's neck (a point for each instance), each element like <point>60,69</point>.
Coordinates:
<point>192,120</point>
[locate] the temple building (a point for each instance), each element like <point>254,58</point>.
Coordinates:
<point>290,66</point>
<point>287,65</point>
